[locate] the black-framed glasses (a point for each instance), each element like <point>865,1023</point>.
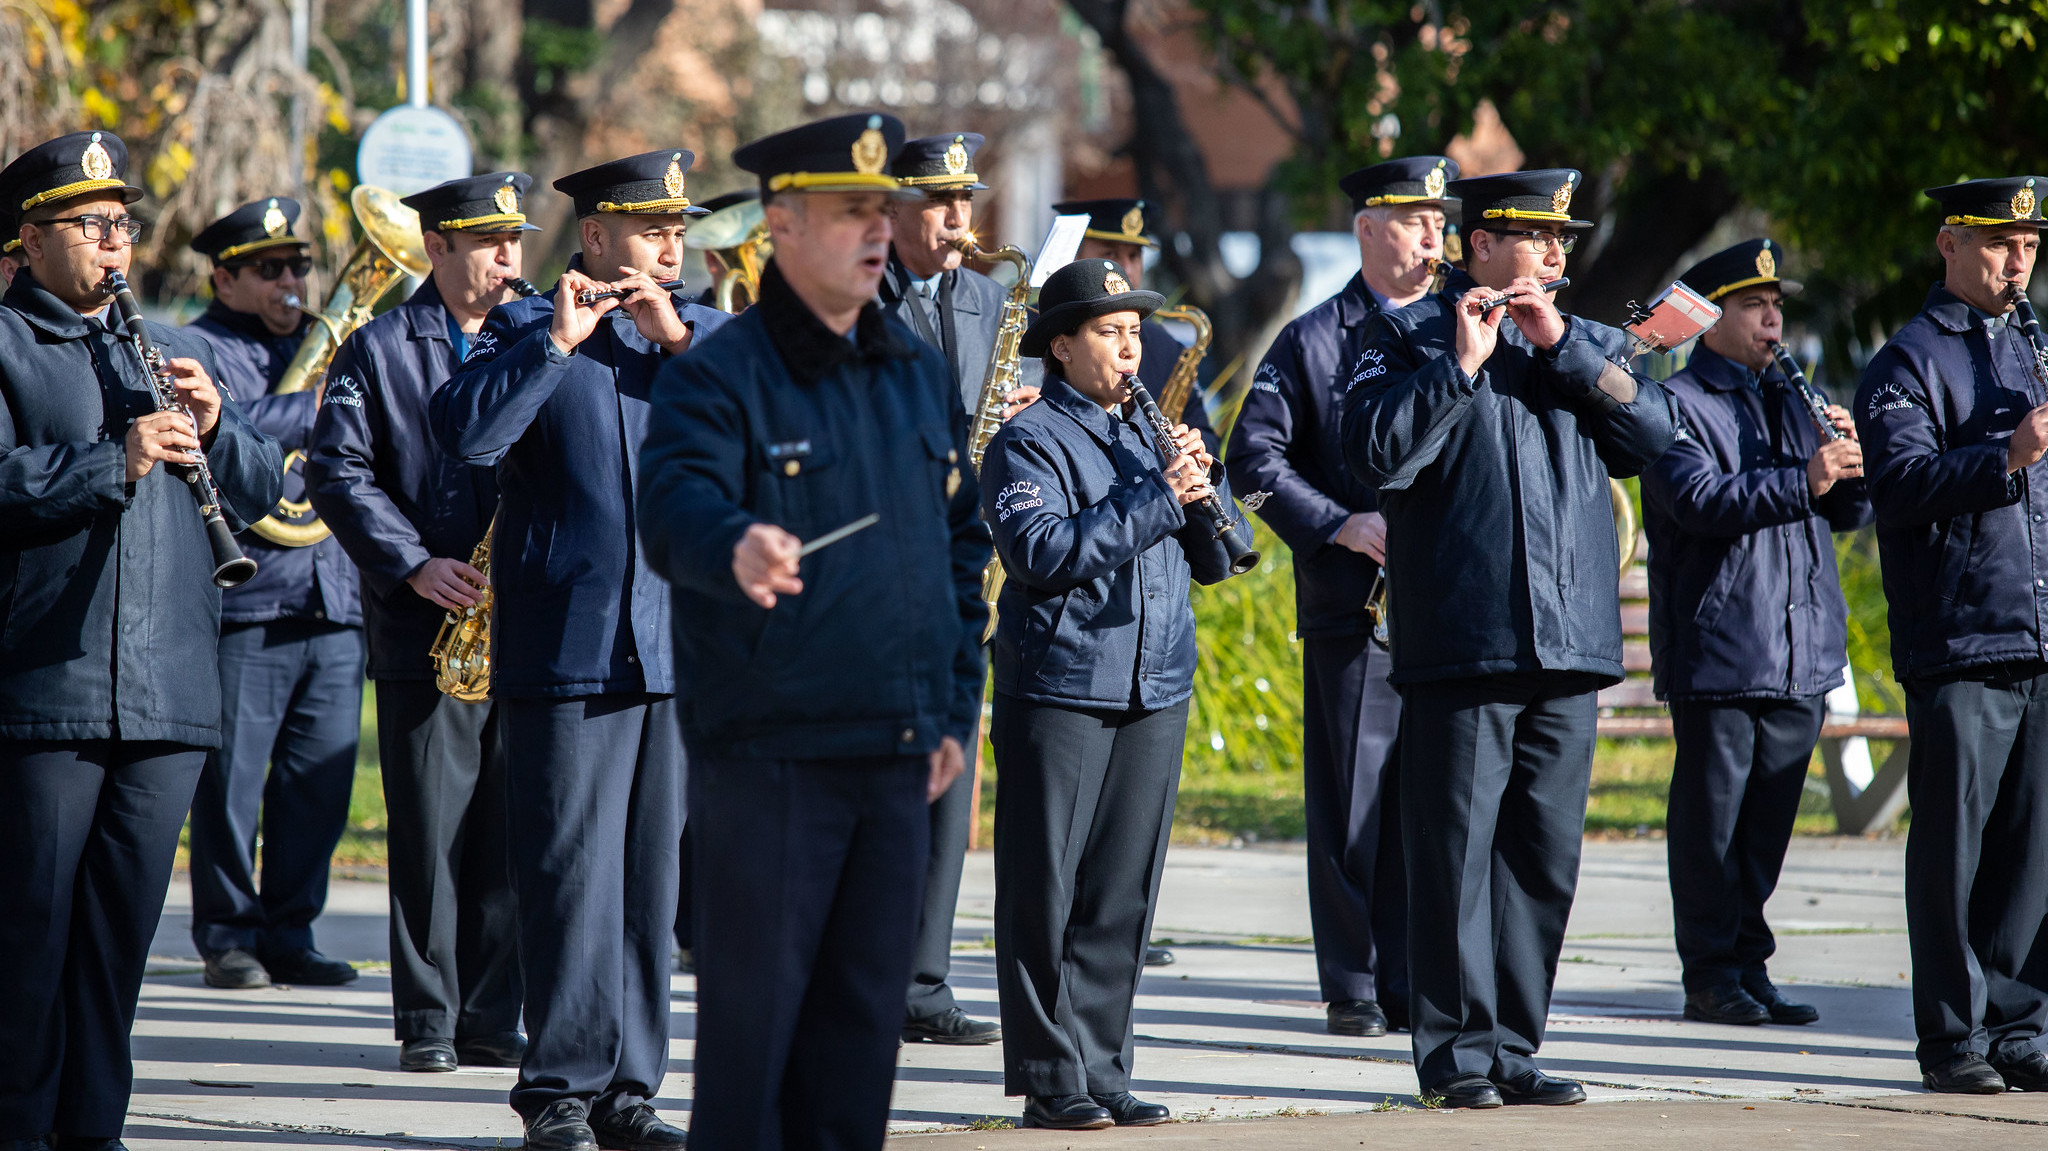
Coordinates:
<point>98,228</point>
<point>272,267</point>
<point>1565,242</point>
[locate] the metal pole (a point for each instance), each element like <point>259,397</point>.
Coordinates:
<point>302,32</point>
<point>416,53</point>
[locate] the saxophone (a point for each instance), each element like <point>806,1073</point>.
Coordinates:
<point>999,379</point>
<point>461,654</point>
<point>1180,386</point>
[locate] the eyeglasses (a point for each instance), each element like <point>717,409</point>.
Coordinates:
<point>98,228</point>
<point>1543,239</point>
<point>275,266</point>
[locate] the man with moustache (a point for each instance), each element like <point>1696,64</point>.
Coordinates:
<point>555,393</point>
<point>1953,414</point>
<point>1748,629</point>
<point>1491,443</point>
<point>828,698</point>
<point>410,518</point>
<point>1286,443</point>
<point>111,608</point>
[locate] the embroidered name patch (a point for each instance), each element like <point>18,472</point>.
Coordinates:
<point>1017,497</point>
<point>1889,397</point>
<point>1371,364</point>
<point>1268,379</point>
<point>484,343</point>
<point>344,389</point>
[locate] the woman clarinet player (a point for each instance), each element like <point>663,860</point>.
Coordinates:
<point>1098,530</point>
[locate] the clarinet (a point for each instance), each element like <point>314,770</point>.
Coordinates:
<point>522,287</point>
<point>2030,327</point>
<point>230,567</point>
<point>1796,380</point>
<point>1221,519</point>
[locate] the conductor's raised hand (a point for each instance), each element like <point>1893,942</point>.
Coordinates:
<point>764,564</point>
<point>654,311</point>
<point>573,321</point>
<point>1478,329</point>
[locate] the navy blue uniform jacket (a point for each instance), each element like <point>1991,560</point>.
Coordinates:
<point>577,610</point>
<point>314,582</point>
<point>1963,545</point>
<point>1501,554</point>
<point>780,420</point>
<point>1288,443</point>
<point>108,613</point>
<point>378,478</point>
<point>1744,598</point>
<point>1094,612</point>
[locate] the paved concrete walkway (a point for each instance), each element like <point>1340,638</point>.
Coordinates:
<point>1230,1032</point>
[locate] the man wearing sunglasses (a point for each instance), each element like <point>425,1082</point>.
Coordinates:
<point>291,650</point>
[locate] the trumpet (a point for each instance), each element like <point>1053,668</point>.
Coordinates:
<point>230,567</point>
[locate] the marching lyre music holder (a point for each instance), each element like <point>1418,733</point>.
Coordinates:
<point>1676,315</point>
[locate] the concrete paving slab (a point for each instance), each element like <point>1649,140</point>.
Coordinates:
<point>1232,1031</point>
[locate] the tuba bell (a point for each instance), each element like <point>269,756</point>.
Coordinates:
<point>391,249</point>
<point>738,235</point>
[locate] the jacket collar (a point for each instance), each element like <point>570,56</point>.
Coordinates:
<point>810,350</point>
<point>250,325</point>
<point>1090,415</point>
<point>1356,303</point>
<point>426,317</point>
<point>1717,372</point>
<point>45,311</point>
<point>899,284</point>
<point>1948,311</point>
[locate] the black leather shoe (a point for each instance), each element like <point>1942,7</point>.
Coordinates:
<point>1965,1074</point>
<point>953,1028</point>
<point>1782,1010</point>
<point>1475,1091</point>
<point>563,1126</point>
<point>1158,957</point>
<point>426,1055</point>
<point>1066,1113</point>
<point>235,970</point>
<point>1130,1111</point>
<point>638,1128</point>
<point>1728,1003</point>
<point>1538,1089</point>
<point>305,967</point>
<point>1357,1017</point>
<point>2028,1074</point>
<point>502,1050</point>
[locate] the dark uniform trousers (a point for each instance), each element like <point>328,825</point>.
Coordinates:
<point>88,832</point>
<point>454,958</point>
<point>1351,794</point>
<point>1081,831</point>
<point>1736,779</point>
<point>1977,861</point>
<point>291,714</point>
<point>594,803</point>
<point>952,818</point>
<point>1494,771</point>
<point>803,936</point>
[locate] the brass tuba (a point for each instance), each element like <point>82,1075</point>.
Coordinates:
<point>391,249</point>
<point>1180,386</point>
<point>738,235</point>
<point>999,379</point>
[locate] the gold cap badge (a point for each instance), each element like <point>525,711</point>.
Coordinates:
<point>1114,283</point>
<point>274,222</point>
<point>95,162</point>
<point>1134,220</point>
<point>871,151</point>
<point>956,156</point>
<point>2023,202</point>
<point>507,197</point>
<point>1767,264</point>
<point>1561,200</point>
<point>1433,182</point>
<point>672,180</point>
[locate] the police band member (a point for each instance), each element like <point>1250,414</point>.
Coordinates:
<point>1491,435</point>
<point>112,606</point>
<point>1748,629</point>
<point>291,650</point>
<point>958,311</point>
<point>410,517</point>
<point>1954,416</point>
<point>1094,661</point>
<point>1286,443</point>
<point>555,393</point>
<point>826,698</point>
<point>1121,230</point>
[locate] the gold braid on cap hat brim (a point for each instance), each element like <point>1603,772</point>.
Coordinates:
<point>75,188</point>
<point>1992,221</point>
<point>642,207</point>
<point>259,245</point>
<point>834,182</point>
<point>1526,214</point>
<point>493,218</point>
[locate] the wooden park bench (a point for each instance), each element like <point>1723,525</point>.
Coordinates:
<point>1863,799</point>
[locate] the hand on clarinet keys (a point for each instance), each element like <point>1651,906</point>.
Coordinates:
<point>1189,482</point>
<point>196,391</point>
<point>159,436</point>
